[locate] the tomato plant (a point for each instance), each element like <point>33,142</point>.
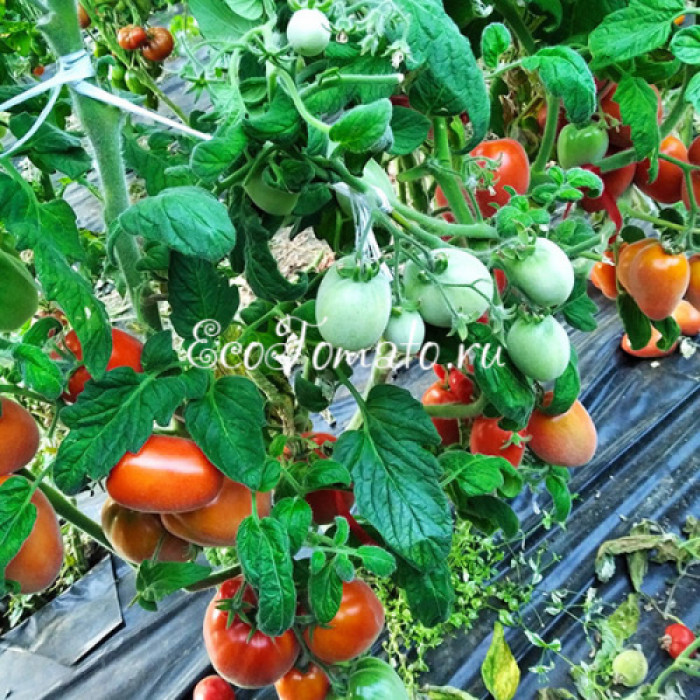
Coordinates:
<point>651,350</point>
<point>374,679</point>
<point>448,428</point>
<point>620,135</point>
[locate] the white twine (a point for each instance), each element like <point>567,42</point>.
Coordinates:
<point>74,69</point>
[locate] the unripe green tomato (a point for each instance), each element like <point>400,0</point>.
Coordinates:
<point>576,147</point>
<point>270,199</point>
<point>406,331</point>
<point>462,268</point>
<point>117,74</point>
<point>546,276</point>
<point>151,101</point>
<point>539,349</point>
<point>375,176</point>
<point>19,299</point>
<point>352,314</point>
<point>309,32</point>
<point>133,83</point>
<point>630,668</point>
<point>374,679</point>
<point>100,50</point>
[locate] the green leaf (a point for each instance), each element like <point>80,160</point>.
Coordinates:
<point>500,670</point>
<point>158,580</point>
<point>326,472</point>
<point>149,164</point>
<point>692,92</point>
<point>38,372</point>
<point>217,21</point>
<point>344,567</point>
<point>212,158</point>
<point>566,388</point>
<point>637,325</point>
<point>559,490</point>
<point>17,517</point>
<point>567,76</point>
<point>580,309</point>
<point>489,514</point>
<point>227,425</point>
<point>495,41</point>
<point>58,222</point>
<point>295,516</point>
<point>311,395</point>
<point>263,550</point>
<point>189,219</point>
<point>632,31</point>
<point>280,124</point>
<point>446,78</point>
<point>476,474</point>
<point>670,332</point>
<point>198,292</point>
<point>115,415</point>
<point>638,109</point>
<point>551,8</point>
<point>248,9</point>
<point>363,126</point>
<point>623,622</point>
<point>430,594</point>
<point>325,591</point>
<point>685,45</point>
<point>410,129</point>
<point>396,480</point>
<point>377,560</point>
<point>158,354</point>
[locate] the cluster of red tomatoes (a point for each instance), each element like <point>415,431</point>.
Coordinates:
<point>155,43</point>
<point>568,439</point>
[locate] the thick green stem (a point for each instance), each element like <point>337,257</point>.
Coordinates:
<point>443,228</point>
<point>456,410</point>
<point>550,134</point>
<point>619,160</point>
<point>215,579</point>
<point>448,183</point>
<point>679,108</point>
<point>511,15</point>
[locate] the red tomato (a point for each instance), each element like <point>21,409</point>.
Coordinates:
<point>126,352</point>
<point>245,658</point>
<point>216,524</point>
<point>38,71</point>
<point>658,280</point>
<point>159,44</point>
<point>687,317</point>
<point>668,186</point>
<point>131,37</point>
<point>441,202</point>
<point>513,170</point>
<point>213,688</point>
<point>501,280</point>
<point>83,17</point>
<point>693,292</point>
<point>313,684</point>
<point>461,386</point>
<point>487,438</point>
<point>650,350</point>
<point>621,136</point>
<point>38,562</point>
<point>440,372</point>
<point>326,504</point>
<point>567,440</point>
<point>677,638</point>
<point>135,536</point>
<point>19,437</point>
<point>437,394</point>
<point>615,183</point>
<point>167,475</point>
<point>353,630</point>
<point>604,277</point>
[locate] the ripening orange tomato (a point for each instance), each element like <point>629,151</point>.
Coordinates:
<point>651,350</point>
<point>668,186</point>
<point>312,684</point>
<point>692,294</point>
<point>19,437</point>
<point>687,317</point>
<point>628,252</point>
<point>38,562</point>
<point>604,277</point>
<point>658,280</point>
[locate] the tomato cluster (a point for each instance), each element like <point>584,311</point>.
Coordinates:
<point>155,43</point>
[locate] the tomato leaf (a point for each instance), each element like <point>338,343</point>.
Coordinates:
<point>363,126</point>
<point>396,479</point>
<point>500,670</point>
<point>263,550</point>
<point>637,325</point>
<point>157,580</point>
<point>158,354</point>
<point>670,332</point>
<point>579,309</point>
<point>495,40</point>
<point>58,222</point>
<point>566,388</point>
<point>218,20</point>
<point>115,415</point>
<point>476,474</point>
<point>311,395</point>
<point>685,45</point>
<point>198,292</point>
<point>295,516</point>
<point>189,219</point>
<point>692,92</point>
<point>410,129</point>
<point>377,560</point>
<point>344,567</point>
<point>638,109</point>
<point>149,164</point>
<point>429,594</point>
<point>227,425</point>
<point>556,483</point>
<point>566,75</point>
<point>326,472</point>
<point>325,590</point>
<point>623,622</point>
<point>38,372</point>
<point>488,513</point>
<point>640,28</point>
<point>551,8</point>
<point>17,517</point>
<point>280,124</point>
<point>210,159</point>
<point>439,52</point>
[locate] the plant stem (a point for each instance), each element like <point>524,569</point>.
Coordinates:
<point>635,214</point>
<point>675,666</point>
<point>679,108</point>
<point>456,410</point>
<point>443,228</point>
<point>215,579</point>
<point>619,160</point>
<point>549,136</point>
<point>20,391</point>
<point>512,17</point>
<point>448,183</point>
<point>293,92</point>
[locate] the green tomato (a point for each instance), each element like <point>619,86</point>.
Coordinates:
<point>100,50</point>
<point>630,668</point>
<point>133,83</point>
<point>539,349</point>
<point>375,176</point>
<point>462,269</point>
<point>576,147</point>
<point>546,276</point>
<point>406,331</point>
<point>18,295</point>
<point>374,679</point>
<point>270,199</point>
<point>309,32</point>
<point>352,314</point>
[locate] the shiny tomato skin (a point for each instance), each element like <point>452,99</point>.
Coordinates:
<point>131,37</point>
<point>167,475</point>
<point>216,524</point>
<point>693,292</point>
<point>687,317</point>
<point>650,350</point>
<point>604,276</point>
<point>677,638</point>
<point>487,438</point>
<point>461,386</point>
<point>627,254</point>
<point>135,536</point>
<point>126,352</point>
<point>448,428</point>
<point>567,440</point>
<point>668,186</point>
<point>326,504</point>
<point>658,281</point>
<point>213,688</point>
<point>353,630</point>
<point>38,562</point>
<point>621,136</point>
<point>312,684</point>
<point>19,437</point>
<point>159,44</point>
<point>513,170</point>
<point>616,183</point>
<point>248,661</point>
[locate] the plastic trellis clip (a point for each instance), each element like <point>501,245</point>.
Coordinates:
<point>74,70</point>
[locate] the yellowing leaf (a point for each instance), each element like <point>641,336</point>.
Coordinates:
<point>500,670</point>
